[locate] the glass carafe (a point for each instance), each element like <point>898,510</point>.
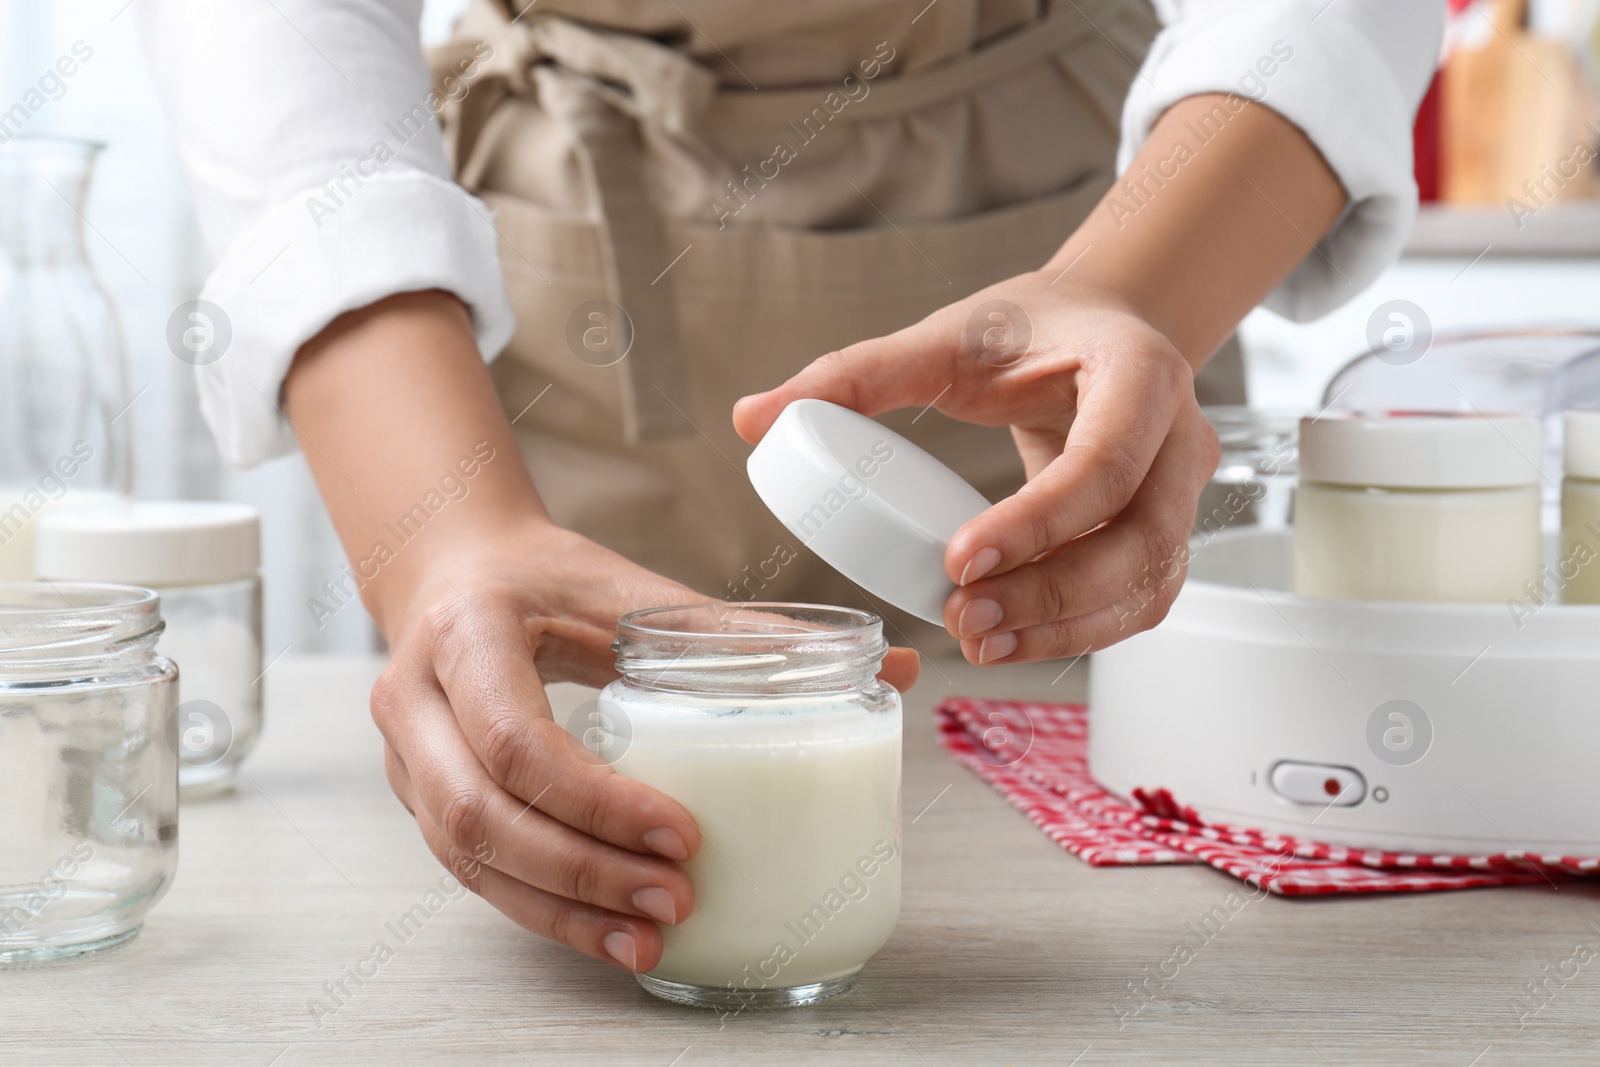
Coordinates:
<point>63,377</point>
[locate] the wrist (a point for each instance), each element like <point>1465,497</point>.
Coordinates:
<point>400,423</point>
<point>1082,286</point>
<point>1074,278</point>
<point>1194,251</point>
<point>401,580</point>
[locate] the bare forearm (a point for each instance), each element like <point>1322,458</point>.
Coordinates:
<point>400,424</point>
<point>1223,204</point>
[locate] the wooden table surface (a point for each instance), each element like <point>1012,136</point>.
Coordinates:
<point>1009,951</point>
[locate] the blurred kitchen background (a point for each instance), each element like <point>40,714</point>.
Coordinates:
<point>1509,235</point>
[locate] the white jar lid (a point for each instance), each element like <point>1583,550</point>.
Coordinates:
<point>877,508</point>
<point>149,542</point>
<point>1582,444</point>
<point>1421,450</point>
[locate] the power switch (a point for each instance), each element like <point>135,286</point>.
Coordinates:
<point>1319,783</point>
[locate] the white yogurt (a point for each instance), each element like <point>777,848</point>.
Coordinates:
<point>1579,567</point>
<point>1418,507</point>
<point>798,799</point>
<point>1478,546</point>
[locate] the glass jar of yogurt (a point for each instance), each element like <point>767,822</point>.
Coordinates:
<point>88,768</point>
<point>1580,509</point>
<point>1418,507</point>
<point>768,724</point>
<point>203,558</point>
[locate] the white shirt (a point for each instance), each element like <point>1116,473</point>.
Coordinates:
<point>264,118</point>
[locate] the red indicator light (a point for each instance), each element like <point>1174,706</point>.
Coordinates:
<point>1332,787</point>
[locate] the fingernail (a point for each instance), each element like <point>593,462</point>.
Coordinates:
<point>656,903</point>
<point>982,562</point>
<point>620,947</point>
<point>997,647</point>
<point>978,616</point>
<point>665,841</point>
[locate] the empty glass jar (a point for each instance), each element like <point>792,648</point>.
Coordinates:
<point>1255,479</point>
<point>88,768</point>
<point>768,724</point>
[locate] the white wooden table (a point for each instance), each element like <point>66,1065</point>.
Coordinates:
<point>1009,951</point>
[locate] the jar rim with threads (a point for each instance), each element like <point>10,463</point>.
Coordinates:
<point>205,558</point>
<point>88,768</point>
<point>1418,506</point>
<point>763,649</point>
<point>768,723</point>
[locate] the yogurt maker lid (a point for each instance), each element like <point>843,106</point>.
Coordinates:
<point>1582,444</point>
<point>1420,450</point>
<point>879,509</point>
<point>149,542</point>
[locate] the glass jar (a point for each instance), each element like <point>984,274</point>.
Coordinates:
<point>88,768</point>
<point>1418,507</point>
<point>1255,478</point>
<point>768,724</point>
<point>203,558</point>
<point>1578,569</point>
<point>63,377</point>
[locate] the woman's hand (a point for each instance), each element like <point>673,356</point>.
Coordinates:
<point>504,797</point>
<point>1089,361</point>
<point>484,603</point>
<point>1101,405</point>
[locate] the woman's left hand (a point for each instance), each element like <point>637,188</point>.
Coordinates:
<point>1101,405</point>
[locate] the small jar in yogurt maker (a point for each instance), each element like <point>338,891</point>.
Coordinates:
<point>203,559</point>
<point>1418,507</point>
<point>768,724</point>
<point>1580,509</point>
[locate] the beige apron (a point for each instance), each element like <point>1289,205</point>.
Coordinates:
<point>754,188</point>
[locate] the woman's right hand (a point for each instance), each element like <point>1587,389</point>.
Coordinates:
<point>490,601</point>
<point>505,798</point>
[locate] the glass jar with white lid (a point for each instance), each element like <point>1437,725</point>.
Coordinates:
<point>1418,507</point>
<point>204,559</point>
<point>88,768</point>
<point>1579,566</point>
<point>768,724</point>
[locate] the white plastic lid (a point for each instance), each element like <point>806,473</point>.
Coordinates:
<point>1421,450</point>
<point>154,542</point>
<point>877,508</point>
<point>1582,444</point>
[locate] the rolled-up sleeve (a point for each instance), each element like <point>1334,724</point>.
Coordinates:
<point>1349,73</point>
<point>320,181</point>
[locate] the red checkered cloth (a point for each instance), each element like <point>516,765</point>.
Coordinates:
<point>1036,755</point>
